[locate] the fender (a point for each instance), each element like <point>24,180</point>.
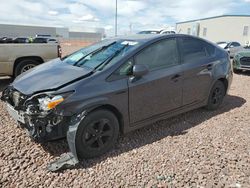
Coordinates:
<point>77,107</point>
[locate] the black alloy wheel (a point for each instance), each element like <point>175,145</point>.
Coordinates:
<point>216,96</point>
<point>97,134</point>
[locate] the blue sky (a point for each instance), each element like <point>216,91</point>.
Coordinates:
<point>135,14</point>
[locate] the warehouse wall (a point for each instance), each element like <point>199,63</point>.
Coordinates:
<point>90,34</point>
<point>62,32</point>
<point>93,37</point>
<point>19,30</point>
<point>229,28</point>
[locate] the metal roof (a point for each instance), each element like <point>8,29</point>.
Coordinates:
<point>213,18</point>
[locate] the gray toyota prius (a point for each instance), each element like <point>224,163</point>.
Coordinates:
<point>116,86</point>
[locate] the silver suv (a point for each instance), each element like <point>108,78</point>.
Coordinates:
<point>231,47</point>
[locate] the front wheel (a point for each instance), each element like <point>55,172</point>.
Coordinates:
<point>216,96</point>
<point>24,66</point>
<point>96,134</point>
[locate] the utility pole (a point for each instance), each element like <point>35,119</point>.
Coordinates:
<point>115,17</point>
<point>130,28</point>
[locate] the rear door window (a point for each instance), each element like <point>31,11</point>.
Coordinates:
<point>195,49</point>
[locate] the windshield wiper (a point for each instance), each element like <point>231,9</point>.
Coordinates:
<point>93,53</point>
<point>106,61</point>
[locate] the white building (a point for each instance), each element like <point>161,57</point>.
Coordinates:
<point>219,28</point>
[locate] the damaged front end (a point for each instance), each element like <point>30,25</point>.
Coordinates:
<point>39,116</point>
<point>37,113</point>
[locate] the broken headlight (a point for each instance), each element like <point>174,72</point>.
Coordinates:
<point>49,102</point>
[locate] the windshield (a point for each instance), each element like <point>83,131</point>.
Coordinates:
<point>221,42</point>
<point>222,45</point>
<point>100,54</point>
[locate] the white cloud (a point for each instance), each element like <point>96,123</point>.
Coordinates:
<point>108,27</point>
<point>135,14</point>
<point>52,12</point>
<point>88,18</point>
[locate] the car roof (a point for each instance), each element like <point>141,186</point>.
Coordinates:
<point>45,38</point>
<point>141,37</point>
<point>227,42</point>
<point>21,38</point>
<point>148,37</point>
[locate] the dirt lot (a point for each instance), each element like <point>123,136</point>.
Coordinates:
<point>196,149</point>
<point>70,46</point>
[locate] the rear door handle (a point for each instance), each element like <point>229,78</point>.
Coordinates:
<point>175,77</point>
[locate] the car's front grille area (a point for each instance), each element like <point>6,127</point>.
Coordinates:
<point>245,61</point>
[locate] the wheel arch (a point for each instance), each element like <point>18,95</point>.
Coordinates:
<point>225,82</point>
<point>18,60</point>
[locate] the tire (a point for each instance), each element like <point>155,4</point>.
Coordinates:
<point>25,65</point>
<point>96,134</point>
<point>216,96</point>
<point>237,71</point>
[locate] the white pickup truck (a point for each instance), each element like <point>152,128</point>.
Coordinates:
<point>18,58</point>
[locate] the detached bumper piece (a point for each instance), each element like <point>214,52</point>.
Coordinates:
<point>66,161</point>
<point>69,160</point>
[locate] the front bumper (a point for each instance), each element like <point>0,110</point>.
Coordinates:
<point>41,129</point>
<point>238,64</point>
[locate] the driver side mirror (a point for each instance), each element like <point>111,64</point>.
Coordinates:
<point>140,70</point>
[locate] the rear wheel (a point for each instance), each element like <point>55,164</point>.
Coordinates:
<point>216,96</point>
<point>97,134</point>
<point>25,65</point>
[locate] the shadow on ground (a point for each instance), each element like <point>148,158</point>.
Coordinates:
<point>244,73</point>
<point>174,126</point>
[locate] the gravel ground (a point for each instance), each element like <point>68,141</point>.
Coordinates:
<point>195,149</point>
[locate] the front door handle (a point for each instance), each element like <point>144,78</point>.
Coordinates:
<point>209,66</point>
<point>120,92</point>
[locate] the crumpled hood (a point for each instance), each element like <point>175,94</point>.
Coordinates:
<point>49,76</point>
